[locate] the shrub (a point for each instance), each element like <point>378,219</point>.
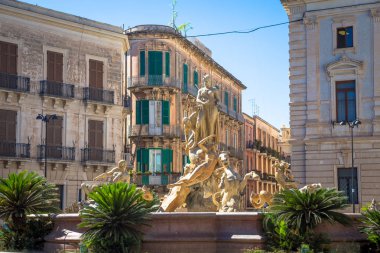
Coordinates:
<point>371,225</point>
<point>115,218</point>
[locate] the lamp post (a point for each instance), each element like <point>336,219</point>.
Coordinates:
<point>351,125</point>
<point>45,119</point>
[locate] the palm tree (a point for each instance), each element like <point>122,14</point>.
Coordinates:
<point>304,210</point>
<point>114,219</point>
<point>23,194</point>
<point>371,224</point>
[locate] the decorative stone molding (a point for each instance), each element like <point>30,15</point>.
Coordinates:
<point>375,13</point>
<point>344,65</point>
<point>310,22</point>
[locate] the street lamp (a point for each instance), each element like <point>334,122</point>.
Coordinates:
<point>45,119</point>
<point>351,125</point>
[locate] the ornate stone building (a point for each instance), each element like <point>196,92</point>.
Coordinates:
<point>262,142</point>
<point>335,80</point>
<point>164,72</point>
<point>53,63</point>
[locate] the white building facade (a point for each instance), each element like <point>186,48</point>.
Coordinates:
<point>334,49</point>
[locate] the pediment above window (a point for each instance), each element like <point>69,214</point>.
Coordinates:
<point>345,66</point>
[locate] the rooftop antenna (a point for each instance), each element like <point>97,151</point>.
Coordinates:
<point>255,107</point>
<point>174,14</point>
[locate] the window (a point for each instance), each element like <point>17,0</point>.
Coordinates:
<point>227,133</point>
<point>154,113</point>
<point>345,183</point>
<point>195,79</point>
<point>154,160</point>
<point>8,132</point>
<point>185,77</point>
<point>95,139</point>
<point>96,75</point>
<point>8,58</point>
<point>155,67</point>
<point>345,37</point>
<point>235,104</point>
<point>55,67</point>
<point>167,64</point>
<point>226,98</point>
<point>54,138</point>
<point>345,101</point>
<point>61,194</point>
<point>142,63</point>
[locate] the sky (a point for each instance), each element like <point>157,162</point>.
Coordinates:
<point>259,59</point>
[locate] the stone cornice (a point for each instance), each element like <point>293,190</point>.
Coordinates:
<point>375,13</point>
<point>344,63</point>
<point>42,15</point>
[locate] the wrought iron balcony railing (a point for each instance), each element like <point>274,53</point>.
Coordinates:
<point>11,149</point>
<point>153,130</point>
<point>98,95</point>
<point>190,89</point>
<point>56,89</point>
<point>56,153</point>
<point>223,108</point>
<point>250,144</point>
<point>152,80</point>
<point>14,82</point>
<point>97,155</point>
<point>127,102</point>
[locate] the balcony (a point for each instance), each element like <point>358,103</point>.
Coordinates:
<point>190,90</point>
<point>14,150</point>
<point>223,108</point>
<point>222,147</point>
<point>96,155</point>
<point>56,153</point>
<point>170,131</point>
<point>236,152</point>
<point>156,179</point>
<point>14,82</point>
<point>98,95</point>
<point>56,89</point>
<point>152,81</point>
<point>250,145</point>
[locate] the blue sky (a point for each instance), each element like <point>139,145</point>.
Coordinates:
<point>259,59</point>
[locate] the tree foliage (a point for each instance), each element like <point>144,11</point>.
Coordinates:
<point>371,225</point>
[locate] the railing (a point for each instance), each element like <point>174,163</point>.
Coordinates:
<point>250,144</point>
<point>100,95</point>
<point>14,82</point>
<point>56,152</point>
<point>223,108</point>
<point>222,147</point>
<point>232,114</point>
<point>152,80</point>
<point>236,152</point>
<point>190,89</point>
<point>11,149</point>
<point>153,130</point>
<point>240,118</point>
<point>97,155</point>
<point>156,179</point>
<point>127,102</point>
<point>56,89</point>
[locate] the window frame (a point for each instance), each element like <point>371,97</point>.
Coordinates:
<point>349,177</point>
<point>339,43</point>
<point>340,22</point>
<point>345,91</point>
<point>105,69</point>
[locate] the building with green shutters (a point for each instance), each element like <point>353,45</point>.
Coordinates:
<point>164,71</point>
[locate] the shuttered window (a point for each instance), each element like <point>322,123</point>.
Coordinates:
<point>54,132</point>
<point>142,112</point>
<point>142,63</point>
<point>167,64</point>
<point>54,66</point>
<point>95,134</point>
<point>167,160</point>
<point>8,58</point>
<point>96,74</point>
<point>155,63</point>
<point>235,104</point>
<point>185,76</point>
<point>195,79</point>
<point>226,98</point>
<point>165,112</point>
<point>8,121</point>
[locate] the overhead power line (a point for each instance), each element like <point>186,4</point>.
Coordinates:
<point>243,32</point>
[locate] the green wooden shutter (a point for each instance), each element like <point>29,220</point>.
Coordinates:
<point>235,104</point>
<point>155,63</point>
<point>167,64</point>
<point>138,112</point>
<point>185,75</point>
<point>167,160</point>
<point>144,111</point>
<point>195,78</point>
<point>165,112</point>
<point>139,159</point>
<point>226,98</point>
<point>142,63</point>
<point>145,160</point>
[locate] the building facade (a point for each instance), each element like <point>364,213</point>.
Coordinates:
<point>52,63</point>
<point>334,81</point>
<point>164,72</point>
<point>263,149</point>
